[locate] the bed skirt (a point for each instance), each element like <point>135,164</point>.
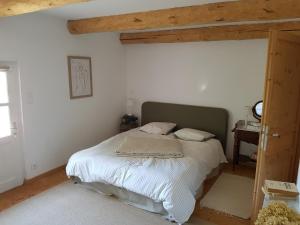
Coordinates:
<point>135,199</point>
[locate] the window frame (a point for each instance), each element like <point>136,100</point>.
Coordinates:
<point>7,104</point>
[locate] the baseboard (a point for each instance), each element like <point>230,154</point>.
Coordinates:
<point>9,184</point>
<point>46,174</point>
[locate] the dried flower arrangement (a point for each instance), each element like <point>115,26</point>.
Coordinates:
<point>278,213</point>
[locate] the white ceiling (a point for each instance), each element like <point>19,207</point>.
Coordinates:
<point>113,7</point>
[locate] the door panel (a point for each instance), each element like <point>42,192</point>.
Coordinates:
<point>276,160</point>
<point>11,157</point>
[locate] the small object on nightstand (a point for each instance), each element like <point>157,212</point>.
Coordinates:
<point>246,133</point>
<point>128,122</point>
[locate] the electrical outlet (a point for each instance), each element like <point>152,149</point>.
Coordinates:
<point>33,166</point>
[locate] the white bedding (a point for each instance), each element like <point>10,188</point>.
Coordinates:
<point>173,182</point>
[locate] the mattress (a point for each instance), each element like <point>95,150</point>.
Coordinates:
<point>172,182</point>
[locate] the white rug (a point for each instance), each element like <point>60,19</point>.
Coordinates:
<point>69,204</point>
<point>230,194</point>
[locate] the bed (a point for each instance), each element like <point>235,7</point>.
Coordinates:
<point>166,186</point>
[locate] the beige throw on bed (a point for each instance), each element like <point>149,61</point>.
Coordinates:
<point>150,147</point>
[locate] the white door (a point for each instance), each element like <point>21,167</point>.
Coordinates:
<point>11,157</point>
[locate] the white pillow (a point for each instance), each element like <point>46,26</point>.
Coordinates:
<point>189,134</point>
<point>158,127</point>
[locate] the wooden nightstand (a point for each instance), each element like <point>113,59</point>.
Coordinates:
<point>243,133</point>
<point>126,127</point>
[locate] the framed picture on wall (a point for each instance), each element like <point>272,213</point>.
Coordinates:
<point>80,77</point>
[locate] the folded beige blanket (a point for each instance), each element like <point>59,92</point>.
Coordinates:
<point>150,147</point>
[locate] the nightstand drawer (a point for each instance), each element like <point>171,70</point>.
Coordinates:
<point>247,136</point>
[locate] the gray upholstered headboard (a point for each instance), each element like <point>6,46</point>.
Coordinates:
<point>213,120</point>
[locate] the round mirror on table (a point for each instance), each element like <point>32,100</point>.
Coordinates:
<point>257,110</point>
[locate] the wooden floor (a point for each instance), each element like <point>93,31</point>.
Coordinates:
<point>44,182</point>
<point>32,187</point>
<point>220,218</point>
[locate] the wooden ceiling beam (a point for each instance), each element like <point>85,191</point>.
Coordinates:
<point>233,11</point>
<point>214,33</point>
<point>17,7</point>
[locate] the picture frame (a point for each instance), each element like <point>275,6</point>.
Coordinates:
<point>80,77</point>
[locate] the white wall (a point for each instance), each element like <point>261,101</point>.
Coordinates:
<point>228,74</point>
<point>55,126</point>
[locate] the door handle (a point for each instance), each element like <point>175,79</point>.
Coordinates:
<point>14,128</point>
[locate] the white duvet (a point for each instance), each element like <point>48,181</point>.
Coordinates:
<point>173,182</point>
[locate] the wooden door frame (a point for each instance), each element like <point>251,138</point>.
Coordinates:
<point>257,200</point>
<point>296,164</point>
